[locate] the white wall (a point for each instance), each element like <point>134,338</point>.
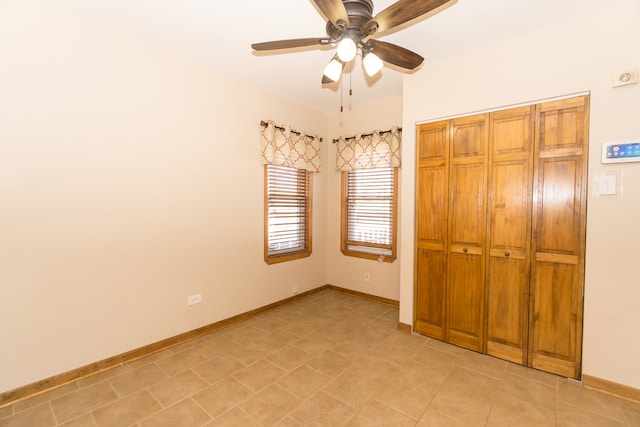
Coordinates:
<point>346,271</point>
<point>575,57</point>
<point>129,179</point>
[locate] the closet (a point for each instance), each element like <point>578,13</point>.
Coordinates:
<point>500,233</point>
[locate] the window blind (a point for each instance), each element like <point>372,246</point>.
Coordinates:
<point>369,200</point>
<point>288,210</point>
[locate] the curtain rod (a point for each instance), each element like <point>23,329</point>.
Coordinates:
<point>264,125</point>
<point>364,134</point>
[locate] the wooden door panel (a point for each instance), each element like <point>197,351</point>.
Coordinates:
<point>510,203</point>
<point>512,133</point>
<point>507,307</point>
<point>552,310</point>
<point>556,299</point>
<point>430,292</point>
<point>467,204</point>
<point>509,209</point>
<point>559,129</point>
<point>432,142</point>
<point>431,228</point>
<point>469,136</point>
<point>562,125</point>
<point>559,221</point>
<point>465,301</point>
<point>431,204</point>
<point>559,208</point>
<point>464,323</point>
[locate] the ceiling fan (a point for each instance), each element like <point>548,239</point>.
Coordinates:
<point>350,24</point>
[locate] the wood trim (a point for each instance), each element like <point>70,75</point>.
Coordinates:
<point>289,256</point>
<point>505,107</point>
<point>344,244</point>
<point>404,328</point>
<point>364,295</point>
<point>610,387</point>
<point>21,393</point>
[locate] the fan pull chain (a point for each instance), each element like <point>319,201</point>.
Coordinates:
<point>341,102</point>
<point>350,77</point>
<point>350,89</point>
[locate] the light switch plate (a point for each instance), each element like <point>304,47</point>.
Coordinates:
<point>607,185</point>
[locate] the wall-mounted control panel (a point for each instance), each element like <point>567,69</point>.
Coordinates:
<point>621,152</point>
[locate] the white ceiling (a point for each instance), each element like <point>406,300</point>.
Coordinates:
<point>220,33</point>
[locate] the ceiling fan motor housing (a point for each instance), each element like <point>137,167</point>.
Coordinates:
<point>359,13</point>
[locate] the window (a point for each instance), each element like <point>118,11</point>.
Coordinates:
<point>368,213</point>
<point>287,228</point>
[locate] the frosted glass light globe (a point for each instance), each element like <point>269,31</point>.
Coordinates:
<point>333,70</point>
<point>347,49</point>
<point>372,64</point>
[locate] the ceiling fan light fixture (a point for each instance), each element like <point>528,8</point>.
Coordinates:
<point>349,25</point>
<point>372,64</point>
<point>347,49</point>
<point>333,70</point>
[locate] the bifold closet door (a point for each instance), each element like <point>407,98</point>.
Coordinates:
<point>559,221</point>
<point>464,312</point>
<point>509,233</point>
<point>431,228</point>
<point>500,233</point>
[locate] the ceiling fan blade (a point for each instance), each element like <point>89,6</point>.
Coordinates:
<point>395,54</point>
<point>288,44</point>
<point>403,11</point>
<point>333,10</point>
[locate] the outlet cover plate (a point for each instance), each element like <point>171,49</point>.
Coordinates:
<point>194,299</point>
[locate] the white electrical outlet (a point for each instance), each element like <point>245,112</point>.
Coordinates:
<point>194,299</point>
<point>367,277</point>
<point>295,290</point>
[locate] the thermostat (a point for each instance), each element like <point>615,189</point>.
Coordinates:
<point>621,152</point>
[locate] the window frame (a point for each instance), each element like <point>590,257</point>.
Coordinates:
<point>295,254</point>
<point>344,242</point>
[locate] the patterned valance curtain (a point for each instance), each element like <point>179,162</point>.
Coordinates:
<point>369,151</point>
<point>282,146</point>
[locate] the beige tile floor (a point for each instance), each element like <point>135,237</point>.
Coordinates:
<point>329,359</point>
